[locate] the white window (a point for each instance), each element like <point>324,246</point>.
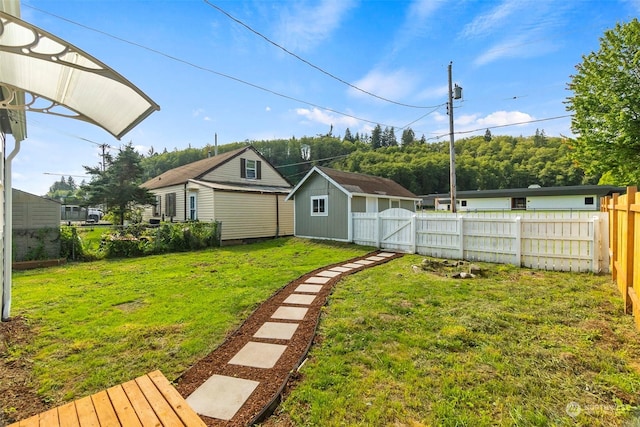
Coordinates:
<point>319,205</point>
<point>251,169</point>
<point>193,211</point>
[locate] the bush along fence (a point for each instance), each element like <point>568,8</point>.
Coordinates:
<point>140,240</point>
<point>624,248</point>
<point>552,240</point>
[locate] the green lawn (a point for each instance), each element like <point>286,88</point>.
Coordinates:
<point>102,323</point>
<point>512,349</point>
<point>396,347</point>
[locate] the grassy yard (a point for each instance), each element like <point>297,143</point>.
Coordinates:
<point>512,349</point>
<point>396,347</point>
<point>102,323</point>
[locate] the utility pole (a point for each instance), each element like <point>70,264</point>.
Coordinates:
<point>452,152</point>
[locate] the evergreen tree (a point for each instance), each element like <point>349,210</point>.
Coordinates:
<point>376,137</point>
<point>117,186</point>
<point>408,137</point>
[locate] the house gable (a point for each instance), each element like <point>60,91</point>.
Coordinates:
<point>230,167</point>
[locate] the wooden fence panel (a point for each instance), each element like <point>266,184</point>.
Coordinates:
<point>624,247</point>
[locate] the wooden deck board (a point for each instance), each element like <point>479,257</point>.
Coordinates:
<point>68,415</point>
<point>125,412</point>
<point>147,401</point>
<point>140,404</point>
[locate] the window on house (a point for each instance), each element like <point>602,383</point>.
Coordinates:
<point>319,205</point>
<point>250,169</point>
<point>463,203</point>
<point>519,203</point>
<point>170,204</point>
<point>588,200</point>
<point>193,211</point>
<point>157,208</point>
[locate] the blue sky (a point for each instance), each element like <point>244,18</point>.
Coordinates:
<point>210,74</point>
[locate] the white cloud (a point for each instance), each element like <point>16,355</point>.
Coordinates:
<point>267,108</point>
<point>501,118</point>
<point>317,115</point>
<point>394,85</point>
<point>492,20</point>
<point>307,24</point>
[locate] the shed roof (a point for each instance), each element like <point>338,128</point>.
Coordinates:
<point>360,184</point>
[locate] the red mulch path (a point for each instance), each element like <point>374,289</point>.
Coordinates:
<point>272,381</point>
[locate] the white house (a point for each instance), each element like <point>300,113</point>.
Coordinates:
<point>240,189</point>
<point>576,197</point>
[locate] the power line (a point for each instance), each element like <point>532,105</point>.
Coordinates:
<point>259,34</point>
<point>202,68</point>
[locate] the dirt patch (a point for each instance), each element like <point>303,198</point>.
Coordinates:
<point>18,396</point>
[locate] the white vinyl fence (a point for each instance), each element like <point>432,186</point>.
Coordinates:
<point>562,241</point>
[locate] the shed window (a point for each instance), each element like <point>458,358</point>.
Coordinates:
<point>463,203</point>
<point>519,203</point>
<point>319,205</point>
<point>588,200</point>
<point>170,205</point>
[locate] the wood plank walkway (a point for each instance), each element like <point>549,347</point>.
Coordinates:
<point>149,400</point>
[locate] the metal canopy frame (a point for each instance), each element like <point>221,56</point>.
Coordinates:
<point>56,76</point>
<point>42,73</point>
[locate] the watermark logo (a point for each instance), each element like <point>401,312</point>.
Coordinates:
<point>573,409</point>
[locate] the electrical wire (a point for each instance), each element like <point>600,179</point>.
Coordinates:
<point>259,34</point>
<point>202,68</point>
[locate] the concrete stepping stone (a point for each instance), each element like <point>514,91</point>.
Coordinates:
<point>221,396</point>
<point>340,269</point>
<point>290,313</point>
<point>328,273</point>
<point>376,258</point>
<point>299,299</point>
<point>386,254</point>
<point>352,265</point>
<point>316,279</point>
<point>258,355</point>
<point>309,288</point>
<point>276,330</point>
<point>363,262</point>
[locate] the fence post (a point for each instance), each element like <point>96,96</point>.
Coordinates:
<point>378,230</point>
<point>461,234</point>
<point>628,261</point>
<point>613,236</point>
<point>414,234</point>
<point>595,245</point>
<point>518,256</point>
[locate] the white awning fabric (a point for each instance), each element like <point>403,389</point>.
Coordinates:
<point>58,78</point>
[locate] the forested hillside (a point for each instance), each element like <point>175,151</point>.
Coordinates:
<point>483,162</point>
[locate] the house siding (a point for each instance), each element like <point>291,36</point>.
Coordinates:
<point>205,197</point>
<point>230,172</point>
<point>252,215</point>
<point>335,224</point>
<point>180,203</point>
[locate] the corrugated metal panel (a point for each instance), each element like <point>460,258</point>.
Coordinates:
<point>335,224</point>
<point>247,215</point>
<point>230,172</point>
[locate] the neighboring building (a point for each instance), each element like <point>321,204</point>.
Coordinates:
<point>36,227</point>
<point>325,199</point>
<point>576,197</point>
<point>240,189</point>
